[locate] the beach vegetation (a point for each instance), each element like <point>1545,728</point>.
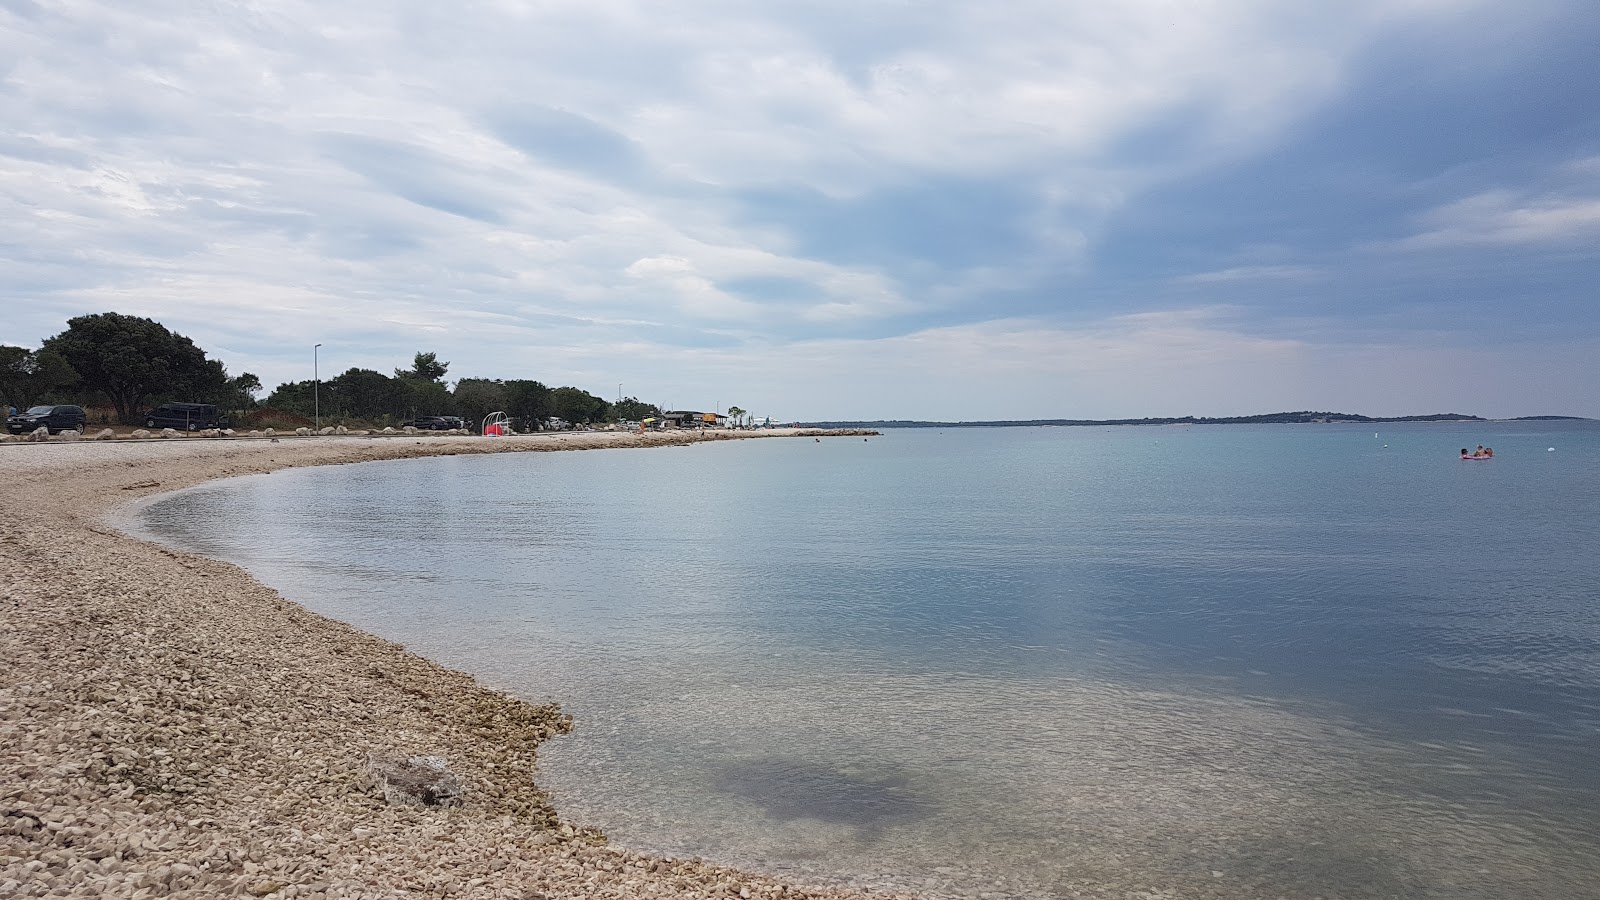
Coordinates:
<point>109,360</point>
<point>632,409</point>
<point>132,360</point>
<point>425,366</point>
<point>28,377</point>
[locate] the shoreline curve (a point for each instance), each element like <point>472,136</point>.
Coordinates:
<point>171,725</point>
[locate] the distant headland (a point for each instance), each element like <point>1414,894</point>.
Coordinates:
<point>1304,417</point>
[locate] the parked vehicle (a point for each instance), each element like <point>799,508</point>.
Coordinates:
<point>186,417</point>
<point>432,423</point>
<point>55,418</point>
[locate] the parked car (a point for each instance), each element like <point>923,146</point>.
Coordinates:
<point>186,417</point>
<point>431,423</point>
<point>55,418</point>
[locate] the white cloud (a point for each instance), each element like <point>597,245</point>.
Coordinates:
<point>1503,217</point>
<point>264,176</point>
<point>1251,273</point>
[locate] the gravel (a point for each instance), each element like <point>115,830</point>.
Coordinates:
<point>171,727</point>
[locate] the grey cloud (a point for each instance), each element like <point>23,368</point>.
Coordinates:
<point>416,175</point>
<point>568,140</point>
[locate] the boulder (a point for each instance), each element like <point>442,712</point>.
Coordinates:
<point>302,431</point>
<point>141,433</point>
<point>387,430</point>
<point>267,431</point>
<point>409,429</point>
<point>169,432</point>
<point>69,435</point>
<point>340,429</point>
<point>415,780</point>
<point>105,434</point>
<point>40,434</point>
<point>326,429</point>
<point>227,432</point>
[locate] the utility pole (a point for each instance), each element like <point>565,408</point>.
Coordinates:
<point>316,389</point>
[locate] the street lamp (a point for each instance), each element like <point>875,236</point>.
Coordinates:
<point>316,389</point>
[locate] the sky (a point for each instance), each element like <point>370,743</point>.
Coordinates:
<point>831,210</point>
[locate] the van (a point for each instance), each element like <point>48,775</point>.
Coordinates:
<point>186,417</point>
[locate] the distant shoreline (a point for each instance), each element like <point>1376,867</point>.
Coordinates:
<point>1285,418</point>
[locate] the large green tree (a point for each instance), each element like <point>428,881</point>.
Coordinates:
<point>578,406</point>
<point>292,396</point>
<point>528,402</point>
<point>475,398</point>
<point>425,366</point>
<point>364,394</point>
<point>632,409</point>
<point>131,360</point>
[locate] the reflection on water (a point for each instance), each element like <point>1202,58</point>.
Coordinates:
<point>1226,662</point>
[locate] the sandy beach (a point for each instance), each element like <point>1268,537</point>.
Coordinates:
<point>171,727</point>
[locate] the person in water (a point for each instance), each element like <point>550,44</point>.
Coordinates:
<point>1464,453</point>
<point>1489,452</point>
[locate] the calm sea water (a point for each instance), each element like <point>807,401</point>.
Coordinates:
<point>1277,661</point>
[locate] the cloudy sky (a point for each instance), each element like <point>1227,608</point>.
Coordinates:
<point>864,209</point>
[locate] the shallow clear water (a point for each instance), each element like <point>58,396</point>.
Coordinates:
<point>1277,661</point>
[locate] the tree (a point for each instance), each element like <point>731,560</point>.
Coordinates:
<point>29,376</point>
<point>130,359</point>
<point>735,413</point>
<point>293,396</point>
<point>424,367</point>
<point>578,406</point>
<point>242,391</point>
<point>528,402</point>
<point>632,409</point>
<point>475,398</point>
<point>364,394</point>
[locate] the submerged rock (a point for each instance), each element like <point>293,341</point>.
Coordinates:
<point>415,780</point>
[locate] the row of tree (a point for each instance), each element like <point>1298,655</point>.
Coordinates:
<point>131,363</point>
<point>371,396</point>
<point>122,361</point>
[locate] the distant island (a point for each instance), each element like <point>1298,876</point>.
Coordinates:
<point>1304,417</point>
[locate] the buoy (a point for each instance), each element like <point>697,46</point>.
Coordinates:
<point>1549,449</point>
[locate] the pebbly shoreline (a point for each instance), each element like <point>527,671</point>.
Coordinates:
<point>171,727</point>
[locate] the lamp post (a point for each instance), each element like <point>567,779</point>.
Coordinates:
<point>316,389</point>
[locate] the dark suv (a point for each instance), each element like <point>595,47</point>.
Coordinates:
<point>186,417</point>
<point>434,423</point>
<point>55,418</point>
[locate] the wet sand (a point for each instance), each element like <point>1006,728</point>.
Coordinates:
<point>171,727</point>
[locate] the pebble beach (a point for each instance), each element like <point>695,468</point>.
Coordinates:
<point>171,727</point>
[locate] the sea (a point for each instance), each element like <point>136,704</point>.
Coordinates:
<point>1275,661</point>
